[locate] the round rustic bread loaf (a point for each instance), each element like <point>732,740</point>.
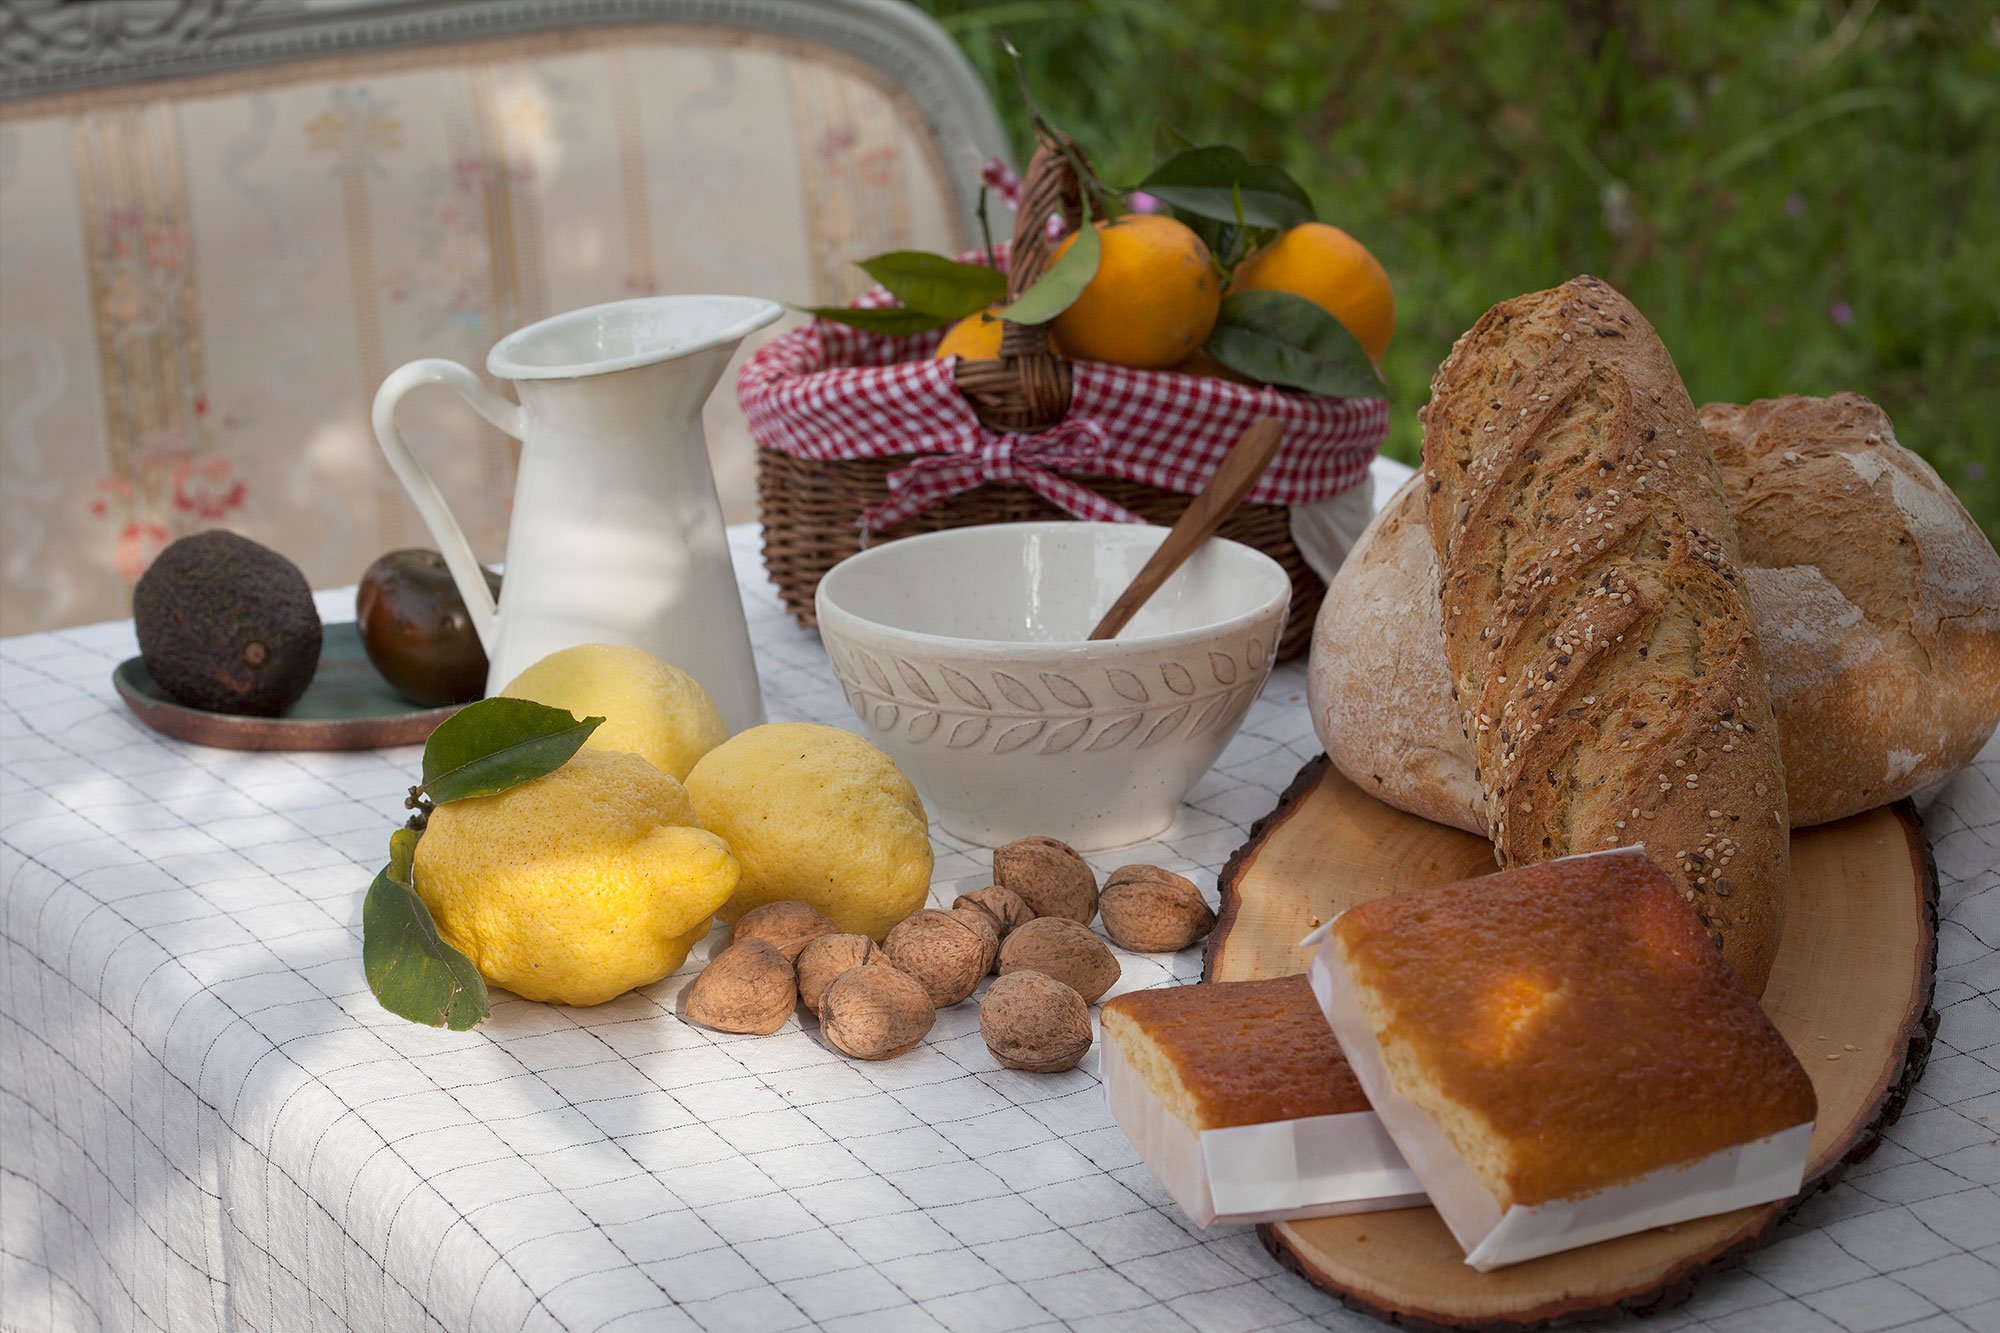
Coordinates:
<point>1877,600</point>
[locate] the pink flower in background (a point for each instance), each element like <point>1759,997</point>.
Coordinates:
<point>136,547</point>
<point>111,488</point>
<point>878,167</point>
<point>1056,226</point>
<point>1841,313</point>
<point>1141,202</point>
<point>1795,205</point>
<point>207,487</point>
<point>116,223</point>
<point>836,141</point>
<point>1003,180</point>
<point>166,248</point>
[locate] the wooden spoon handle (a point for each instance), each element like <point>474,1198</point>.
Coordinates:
<point>1241,467</point>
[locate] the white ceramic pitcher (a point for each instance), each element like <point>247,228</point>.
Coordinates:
<point>616,534</point>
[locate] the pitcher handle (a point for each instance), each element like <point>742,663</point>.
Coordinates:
<point>437,515</point>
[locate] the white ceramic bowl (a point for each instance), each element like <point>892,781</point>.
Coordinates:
<point>965,654</point>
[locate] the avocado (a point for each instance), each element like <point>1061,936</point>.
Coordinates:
<point>227,625</point>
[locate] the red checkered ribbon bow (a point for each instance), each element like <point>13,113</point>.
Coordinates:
<point>1032,460</point>
<point>828,391</point>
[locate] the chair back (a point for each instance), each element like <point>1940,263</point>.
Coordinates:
<point>223,223</point>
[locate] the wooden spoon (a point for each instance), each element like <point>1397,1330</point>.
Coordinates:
<point>1241,466</point>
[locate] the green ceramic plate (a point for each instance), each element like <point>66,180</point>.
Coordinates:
<point>347,707</point>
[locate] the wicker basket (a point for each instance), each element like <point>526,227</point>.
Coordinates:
<point>811,509</point>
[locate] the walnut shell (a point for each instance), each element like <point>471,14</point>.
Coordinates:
<point>1049,876</point>
<point>1150,910</point>
<point>1060,948</point>
<point>940,952</point>
<point>1032,1021</point>
<point>787,926</point>
<point>1006,908</point>
<point>982,925</point>
<point>748,987</point>
<point>874,1012</point>
<point>826,958</point>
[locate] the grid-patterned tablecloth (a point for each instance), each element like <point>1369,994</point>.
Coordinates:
<point>206,1121</point>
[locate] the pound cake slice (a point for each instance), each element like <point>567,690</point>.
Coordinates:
<point>1237,1096</point>
<point>1562,1055</point>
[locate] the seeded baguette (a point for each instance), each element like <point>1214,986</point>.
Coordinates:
<point>1876,596</point>
<point>1602,652</point>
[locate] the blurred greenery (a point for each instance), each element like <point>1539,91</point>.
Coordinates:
<point>1802,195</point>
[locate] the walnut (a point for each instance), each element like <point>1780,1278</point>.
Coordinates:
<point>1062,949</point>
<point>982,926</point>
<point>1032,1021</point>
<point>748,987</point>
<point>874,1012</point>
<point>1150,910</point>
<point>1049,876</point>
<point>1004,907</point>
<point>826,958</point>
<point>939,951</point>
<point>787,926</point>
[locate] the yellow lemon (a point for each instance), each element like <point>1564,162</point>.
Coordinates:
<point>976,337</point>
<point>1332,270</point>
<point>578,886</point>
<point>817,814</point>
<point>650,709</point>
<point>1154,299</point>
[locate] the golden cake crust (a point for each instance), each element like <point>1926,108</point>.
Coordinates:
<point>1569,1025</point>
<point>1235,1052</point>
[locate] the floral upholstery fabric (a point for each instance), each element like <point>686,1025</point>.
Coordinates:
<point>202,284</point>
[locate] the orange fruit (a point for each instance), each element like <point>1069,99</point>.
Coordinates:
<point>1332,270</point>
<point>1203,366</point>
<point>1153,301</point>
<point>976,337</point>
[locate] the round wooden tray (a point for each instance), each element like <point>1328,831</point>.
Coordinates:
<point>348,706</point>
<point>1851,990</point>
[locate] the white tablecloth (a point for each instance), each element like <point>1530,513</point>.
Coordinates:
<point>206,1121</point>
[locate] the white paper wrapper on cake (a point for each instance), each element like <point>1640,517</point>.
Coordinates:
<point>1316,1166</point>
<point>1761,1171</point>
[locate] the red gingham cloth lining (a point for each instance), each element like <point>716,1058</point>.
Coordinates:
<point>827,391</point>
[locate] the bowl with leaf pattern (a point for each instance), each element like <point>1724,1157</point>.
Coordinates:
<point>965,654</point>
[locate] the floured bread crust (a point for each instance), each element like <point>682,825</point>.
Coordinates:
<point>1876,596</point>
<point>1883,592</point>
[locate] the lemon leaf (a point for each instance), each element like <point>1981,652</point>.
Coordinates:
<point>1056,290</point>
<point>894,320</point>
<point>1206,182</point>
<point>936,285</point>
<point>412,972</point>
<point>486,747</point>
<point>1281,338</point>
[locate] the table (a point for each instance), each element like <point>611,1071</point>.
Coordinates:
<point>206,1121</point>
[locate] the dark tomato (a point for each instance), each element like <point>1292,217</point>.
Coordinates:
<point>417,631</point>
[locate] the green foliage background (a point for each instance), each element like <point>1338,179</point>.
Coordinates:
<point>1802,195</point>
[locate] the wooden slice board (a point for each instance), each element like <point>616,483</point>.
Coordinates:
<point>348,706</point>
<point>1851,990</point>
